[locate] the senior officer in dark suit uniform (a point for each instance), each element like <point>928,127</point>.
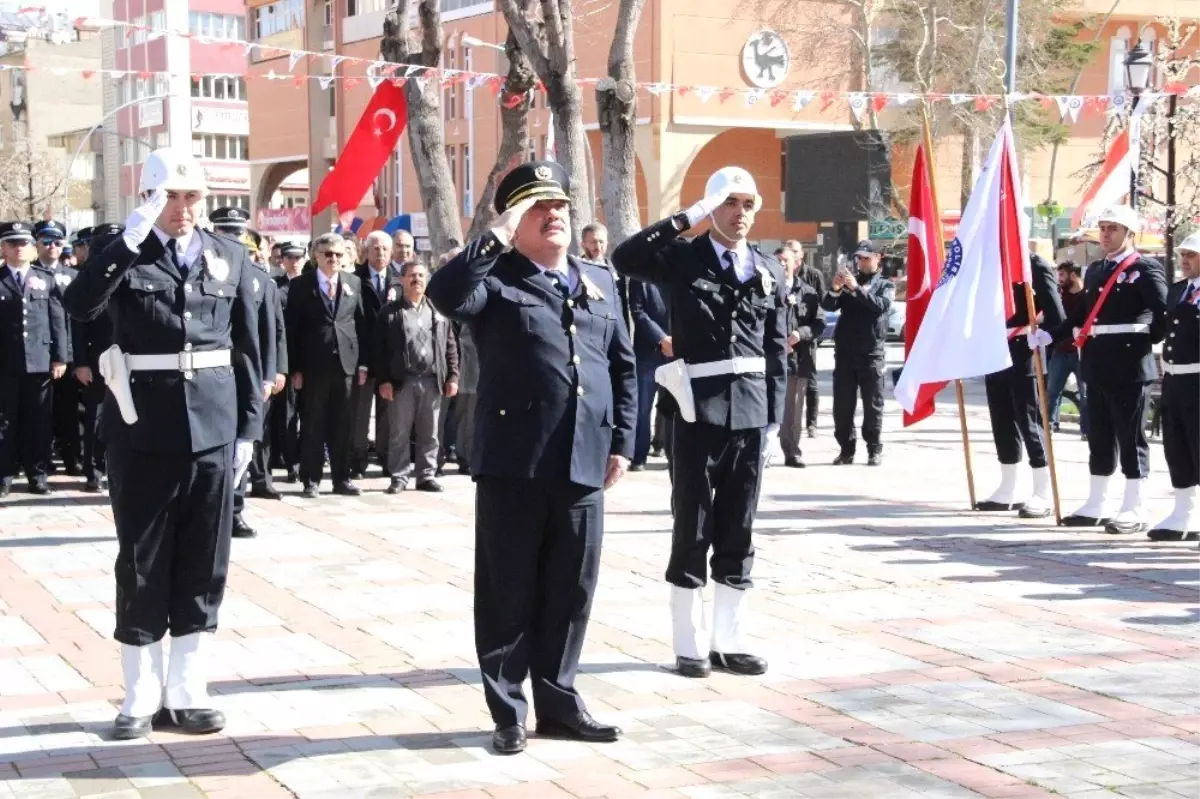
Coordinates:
<point>35,348</point>
<point>1181,396</point>
<point>184,405</point>
<point>328,345</point>
<point>90,340</point>
<point>729,332</point>
<point>1012,397</point>
<point>283,418</point>
<point>50,238</point>
<point>553,429</point>
<point>1121,318</point>
<point>858,351</point>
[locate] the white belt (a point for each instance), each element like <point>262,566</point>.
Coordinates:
<point>178,361</point>
<point>732,366</point>
<point>1181,368</point>
<point>1013,332</point>
<point>1103,330</point>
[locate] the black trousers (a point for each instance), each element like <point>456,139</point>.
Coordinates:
<point>1117,426</point>
<point>848,383</point>
<point>93,445</point>
<point>537,560</point>
<point>716,474</point>
<point>1181,428</point>
<point>325,420</point>
<point>26,425</point>
<point>68,421</point>
<point>812,395</point>
<point>1012,403</point>
<point>174,516</point>
<point>259,472</point>
<point>282,423</point>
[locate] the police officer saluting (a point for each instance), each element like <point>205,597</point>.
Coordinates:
<point>1120,320</point>
<point>34,349</point>
<point>554,427</point>
<point>1181,396</point>
<point>864,300</point>
<point>729,332</point>
<point>1012,397</point>
<point>184,405</point>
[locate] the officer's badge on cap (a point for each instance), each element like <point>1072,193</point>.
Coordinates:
<point>16,232</point>
<point>540,180</point>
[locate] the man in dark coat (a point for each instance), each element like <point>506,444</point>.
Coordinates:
<point>553,428</point>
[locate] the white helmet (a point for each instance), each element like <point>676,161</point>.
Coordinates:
<point>1191,243</point>
<point>733,180</point>
<point>172,170</point>
<point>1122,215</point>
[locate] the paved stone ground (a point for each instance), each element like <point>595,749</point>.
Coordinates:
<point>915,649</point>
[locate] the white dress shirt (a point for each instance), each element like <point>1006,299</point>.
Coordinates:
<point>743,266</point>
<point>20,275</point>
<point>324,282</point>
<point>565,272</point>
<point>187,245</point>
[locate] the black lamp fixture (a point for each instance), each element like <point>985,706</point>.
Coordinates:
<point>1139,62</point>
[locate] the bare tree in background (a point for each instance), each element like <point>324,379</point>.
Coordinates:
<point>616,100</point>
<point>426,128</point>
<point>514,132</point>
<point>32,179</point>
<point>544,30</point>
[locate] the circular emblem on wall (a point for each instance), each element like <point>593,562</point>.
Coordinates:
<point>766,59</point>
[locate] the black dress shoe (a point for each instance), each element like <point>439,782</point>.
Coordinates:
<point>988,505</point>
<point>5,488</point>
<point>346,489</point>
<point>265,492</point>
<point>693,667</point>
<point>126,728</point>
<point>72,470</point>
<point>875,459</point>
<point>812,432</point>
<point>1084,521</point>
<point>357,474</point>
<point>738,664</point>
<point>509,740</point>
<point>432,486</point>
<point>310,491</point>
<point>845,459</point>
<point>637,467</point>
<point>241,529</point>
<point>39,486</point>
<point>580,727</point>
<point>194,721</point>
<point>397,485</point>
<point>794,463</point>
<point>291,476</point>
<point>1162,534</point>
<point>92,485</point>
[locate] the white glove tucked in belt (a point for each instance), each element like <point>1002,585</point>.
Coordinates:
<point>1038,338</point>
<point>243,451</point>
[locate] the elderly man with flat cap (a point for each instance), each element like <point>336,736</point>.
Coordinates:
<point>184,406</point>
<point>728,311</point>
<point>554,424</point>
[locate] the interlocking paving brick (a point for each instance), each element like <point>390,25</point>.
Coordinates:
<point>1023,640</point>
<point>1166,687</point>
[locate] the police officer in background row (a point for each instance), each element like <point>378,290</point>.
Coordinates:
<point>89,341</point>
<point>729,332</point>
<point>50,237</point>
<point>183,408</point>
<point>557,397</point>
<point>1181,396</point>
<point>35,348</point>
<point>1119,322</point>
<point>864,300</point>
<point>1012,396</point>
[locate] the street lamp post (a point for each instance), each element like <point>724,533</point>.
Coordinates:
<point>1139,71</point>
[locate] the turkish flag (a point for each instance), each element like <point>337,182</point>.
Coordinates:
<point>366,151</point>
<point>924,271</point>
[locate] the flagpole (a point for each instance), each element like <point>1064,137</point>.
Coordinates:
<point>1010,86</point>
<point>940,252</point>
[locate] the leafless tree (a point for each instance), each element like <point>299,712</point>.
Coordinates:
<point>616,100</point>
<point>32,179</point>
<point>426,128</point>
<point>514,131</point>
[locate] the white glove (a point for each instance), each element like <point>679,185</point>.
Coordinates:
<point>704,208</point>
<point>141,221</point>
<point>506,224</point>
<point>772,446</point>
<point>1075,333</point>
<point>1038,338</point>
<point>243,451</point>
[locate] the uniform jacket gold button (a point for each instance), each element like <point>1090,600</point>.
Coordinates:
<point>503,412</point>
<point>575,360</point>
<point>187,314</point>
<point>572,330</point>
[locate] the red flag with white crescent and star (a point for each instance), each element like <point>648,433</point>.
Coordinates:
<point>924,270</point>
<point>367,150</point>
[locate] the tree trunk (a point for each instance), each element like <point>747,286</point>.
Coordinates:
<point>426,132</point>
<point>514,132</point>
<point>544,29</point>
<point>616,103</point>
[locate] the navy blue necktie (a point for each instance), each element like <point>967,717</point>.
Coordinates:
<point>176,258</point>
<point>1187,294</point>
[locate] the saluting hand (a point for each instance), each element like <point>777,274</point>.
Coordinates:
<point>506,225</point>
<point>141,221</point>
<point>617,464</point>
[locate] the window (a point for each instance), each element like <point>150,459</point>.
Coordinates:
<point>277,17</point>
<point>219,87</point>
<point>351,8</point>
<point>468,189</point>
<point>220,148</point>
<point>128,151</point>
<point>216,26</point>
<point>215,201</point>
<point>531,149</point>
<point>328,13</point>
<point>452,92</point>
<point>452,160</point>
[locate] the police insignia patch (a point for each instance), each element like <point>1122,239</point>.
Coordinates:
<point>256,285</point>
<point>391,295</point>
<point>954,258</point>
<point>181,170</point>
<point>543,173</point>
<point>217,267</point>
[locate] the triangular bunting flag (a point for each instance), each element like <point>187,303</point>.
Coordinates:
<point>726,94</point>
<point>827,98</point>
<point>904,98</point>
<point>352,82</point>
<point>705,93</point>
<point>325,81</point>
<point>683,90</point>
<point>298,80</point>
<point>87,73</point>
<point>858,104</point>
<point>985,101</point>
<point>249,48</point>
<point>658,88</point>
<point>411,70</point>
<point>1069,105</point>
<point>334,60</point>
<point>777,97</point>
<point>294,58</point>
<point>879,101</point>
<point>802,100</point>
<point>959,99</point>
<point>754,95</point>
